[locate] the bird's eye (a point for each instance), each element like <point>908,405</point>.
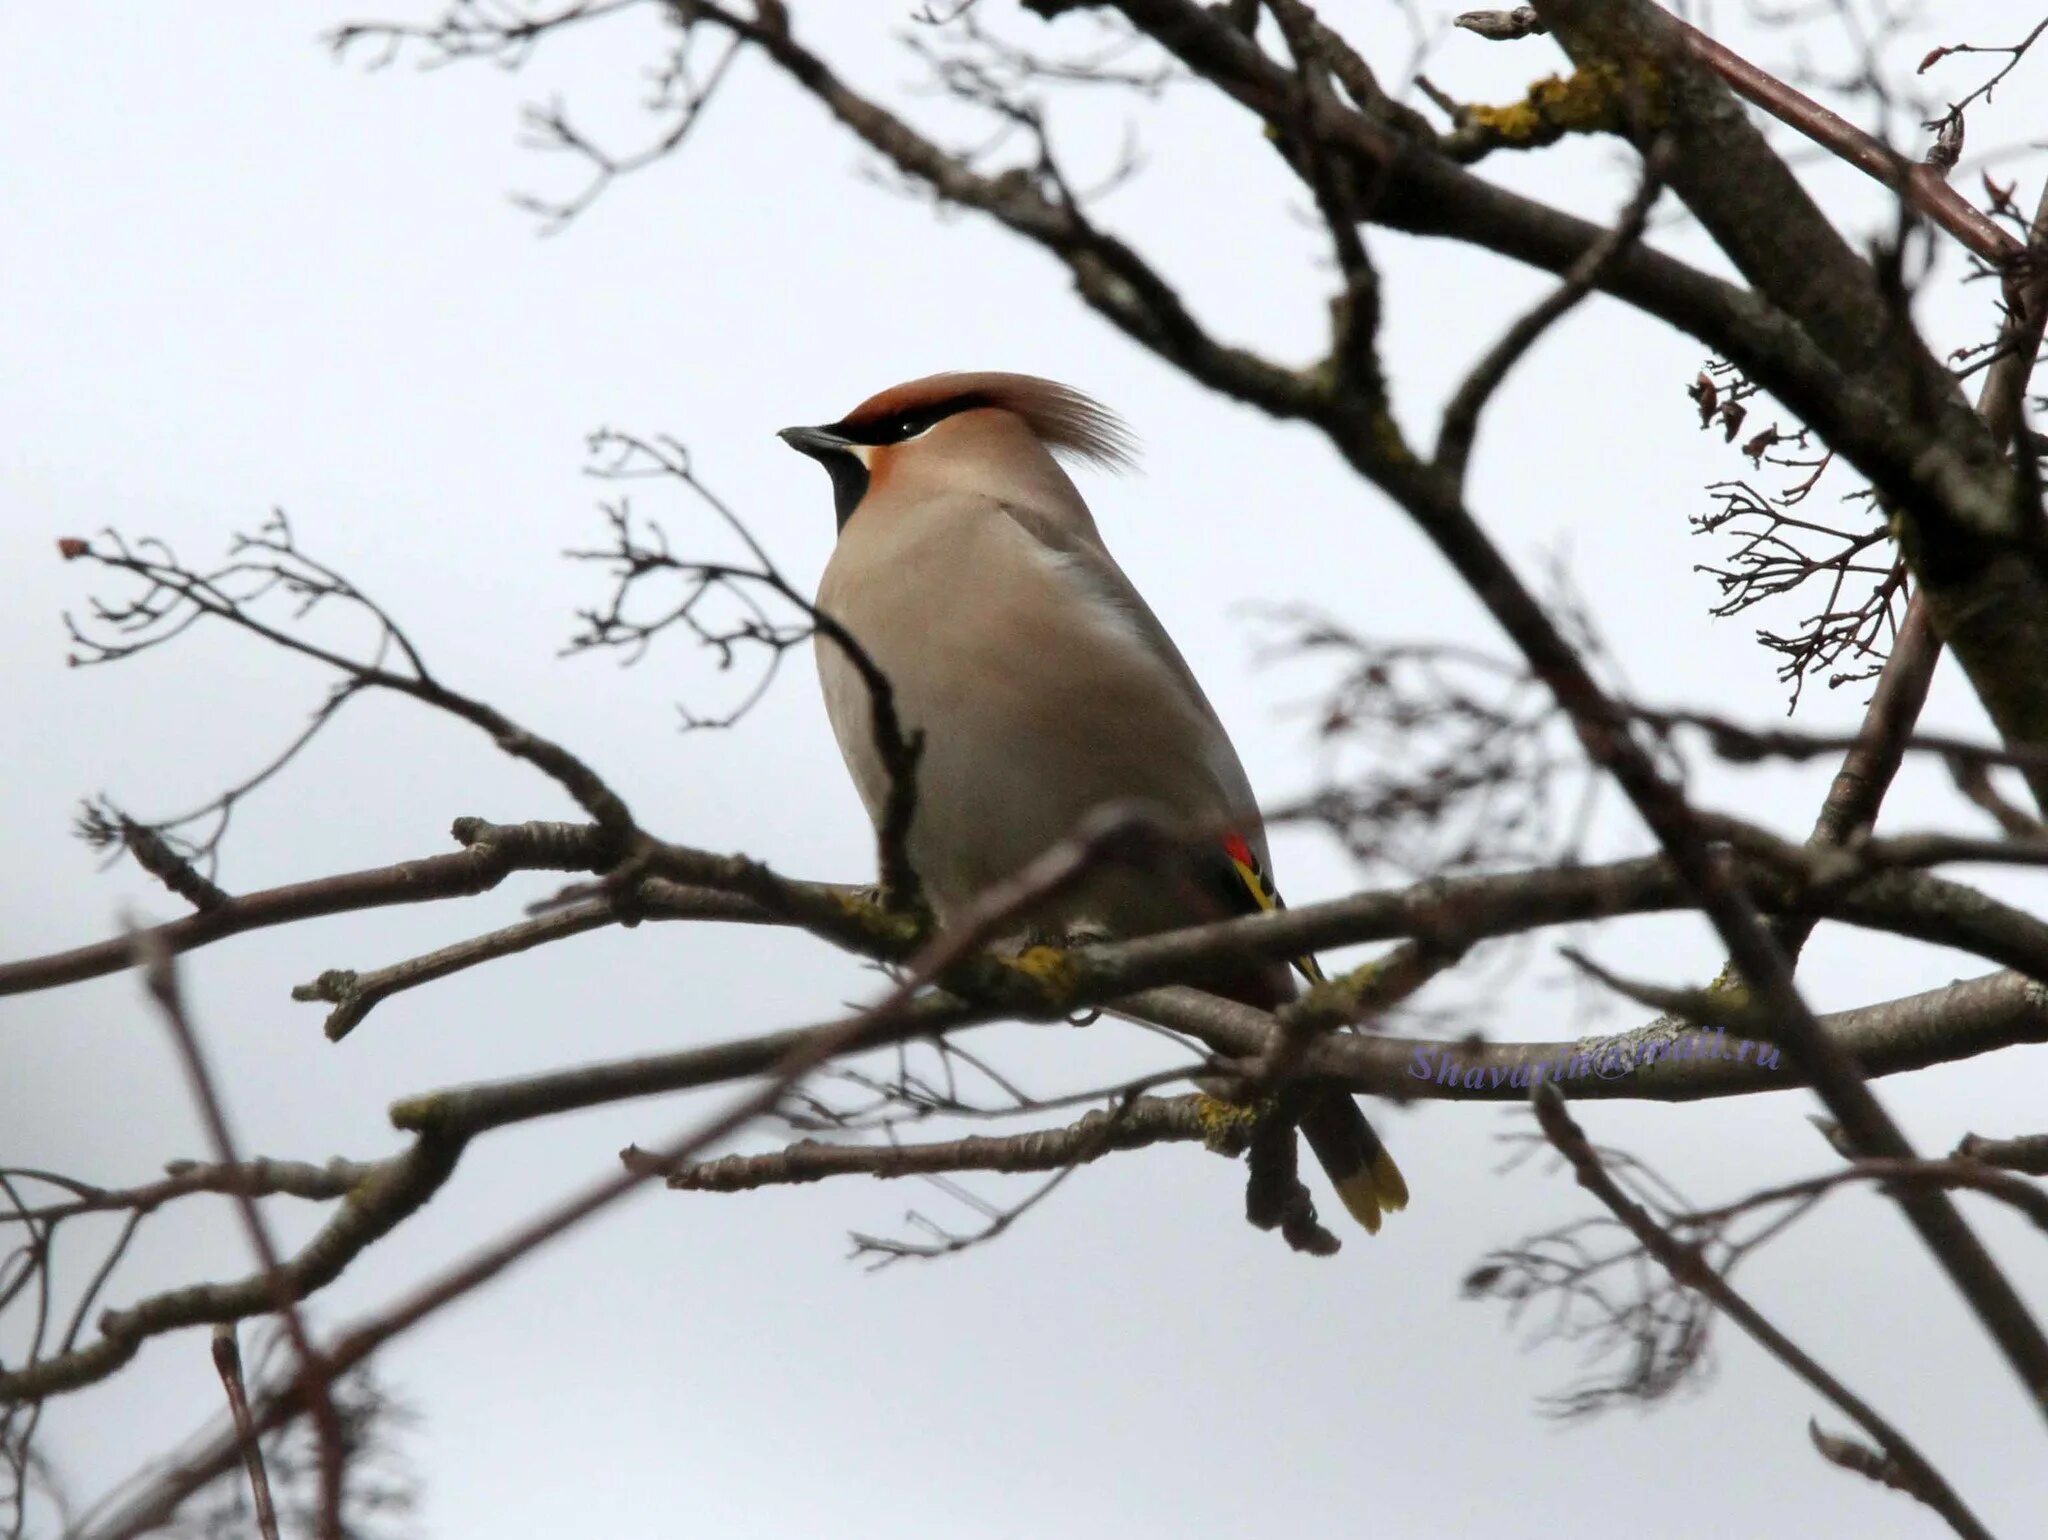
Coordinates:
<point>907,426</point>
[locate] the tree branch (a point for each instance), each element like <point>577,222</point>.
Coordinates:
<point>1461,417</point>
<point>1938,1026</point>
<point>1971,534</point>
<point>1143,1122</point>
<point>1685,1265</point>
<point>493,852</point>
<point>227,1359</point>
<point>1921,185</point>
<point>354,995</point>
<point>160,979</point>
<point>174,598</point>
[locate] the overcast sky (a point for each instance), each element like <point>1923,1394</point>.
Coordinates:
<point>239,276</point>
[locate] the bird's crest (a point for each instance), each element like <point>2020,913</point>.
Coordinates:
<point>1065,421</point>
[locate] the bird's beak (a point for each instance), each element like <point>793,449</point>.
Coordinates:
<point>845,461</point>
<point>818,443</point>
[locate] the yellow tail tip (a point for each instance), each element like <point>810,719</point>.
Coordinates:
<point>1386,1176</point>
<point>1378,1189</point>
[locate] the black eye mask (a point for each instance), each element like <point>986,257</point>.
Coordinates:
<point>831,446</point>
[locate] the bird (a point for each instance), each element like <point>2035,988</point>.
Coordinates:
<point>970,571</point>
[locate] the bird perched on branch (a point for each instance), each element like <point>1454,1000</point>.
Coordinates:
<point>971,574</point>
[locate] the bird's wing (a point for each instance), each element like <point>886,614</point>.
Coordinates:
<point>1090,562</point>
<point>1252,892</point>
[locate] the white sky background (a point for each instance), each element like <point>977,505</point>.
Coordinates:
<point>238,276</point>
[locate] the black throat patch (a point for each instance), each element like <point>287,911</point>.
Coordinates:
<point>849,484</point>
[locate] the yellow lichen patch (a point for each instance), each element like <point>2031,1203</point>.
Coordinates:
<point>1730,985</point>
<point>1590,100</point>
<point>882,924</point>
<point>1226,1127</point>
<point>414,1113</point>
<point>857,902</point>
<point>1372,987</point>
<point>1049,966</point>
<point>1358,987</point>
<point>1324,1006</point>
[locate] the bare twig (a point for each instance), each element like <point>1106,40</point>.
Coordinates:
<point>259,1177</point>
<point>1063,1152</point>
<point>2028,1153</point>
<point>492,853</point>
<point>1922,186</point>
<point>1951,122</point>
<point>1962,1171</point>
<point>634,557</point>
<point>354,995</point>
<point>1502,26</point>
<point>1461,417</point>
<point>227,1358</point>
<point>1746,743</point>
<point>1683,1262</point>
<point>1778,553</point>
<point>316,1375</point>
<point>1973,780</point>
<point>173,598</point>
<point>1136,1124</point>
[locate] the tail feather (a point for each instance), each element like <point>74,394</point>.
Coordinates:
<point>1364,1174</point>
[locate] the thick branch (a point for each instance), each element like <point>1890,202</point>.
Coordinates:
<point>1448,915</point>
<point>1972,532</point>
<point>1939,1026</point>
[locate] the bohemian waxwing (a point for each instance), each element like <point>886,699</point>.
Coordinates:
<point>970,571</point>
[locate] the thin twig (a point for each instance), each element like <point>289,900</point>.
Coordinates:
<point>1140,1123</point>
<point>1921,185</point>
<point>1961,1170</point>
<point>316,1375</point>
<point>1686,1266</point>
<point>2028,1153</point>
<point>1461,417</point>
<point>227,1358</point>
